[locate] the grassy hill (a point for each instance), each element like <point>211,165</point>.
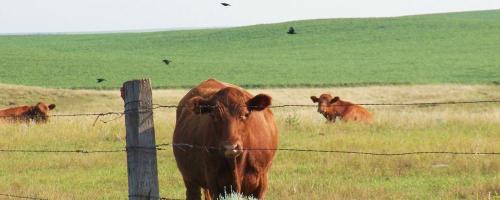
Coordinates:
<point>441,48</point>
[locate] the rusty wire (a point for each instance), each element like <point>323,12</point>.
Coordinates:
<point>185,147</point>
<point>159,106</point>
<point>21,197</point>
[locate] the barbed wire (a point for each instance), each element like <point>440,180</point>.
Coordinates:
<point>158,106</point>
<point>154,197</point>
<point>36,198</point>
<point>396,104</point>
<point>185,146</point>
<point>58,151</point>
<point>362,104</point>
<point>21,197</point>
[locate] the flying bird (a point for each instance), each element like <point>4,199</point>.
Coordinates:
<point>99,80</point>
<point>225,4</point>
<point>167,61</point>
<point>291,30</point>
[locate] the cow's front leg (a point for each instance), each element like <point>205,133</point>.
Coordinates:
<point>192,191</point>
<point>261,189</point>
<point>331,118</point>
<point>206,194</point>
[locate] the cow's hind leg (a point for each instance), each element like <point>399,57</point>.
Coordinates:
<point>192,191</point>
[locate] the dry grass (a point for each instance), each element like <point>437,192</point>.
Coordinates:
<point>293,175</point>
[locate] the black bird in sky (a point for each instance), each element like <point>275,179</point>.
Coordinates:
<point>99,80</point>
<point>167,61</point>
<point>225,4</point>
<point>291,30</point>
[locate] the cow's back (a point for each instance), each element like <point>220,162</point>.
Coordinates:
<point>17,111</point>
<point>15,114</point>
<point>358,113</point>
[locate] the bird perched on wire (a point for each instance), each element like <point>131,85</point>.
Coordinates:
<point>99,80</point>
<point>291,30</point>
<point>167,61</point>
<point>225,4</point>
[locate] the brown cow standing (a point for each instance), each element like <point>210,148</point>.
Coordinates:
<point>38,113</point>
<point>332,108</point>
<point>221,121</point>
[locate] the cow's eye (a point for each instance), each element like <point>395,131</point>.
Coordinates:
<point>244,116</point>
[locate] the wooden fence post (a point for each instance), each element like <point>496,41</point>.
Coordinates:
<point>141,145</point>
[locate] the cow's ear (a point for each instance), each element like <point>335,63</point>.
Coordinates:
<point>314,99</point>
<point>259,102</point>
<point>52,106</point>
<point>39,106</point>
<point>201,105</point>
<point>335,99</point>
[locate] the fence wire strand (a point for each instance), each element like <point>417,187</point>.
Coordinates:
<point>153,197</point>
<point>363,104</point>
<point>21,197</point>
<point>159,106</point>
<point>58,151</point>
<point>36,198</point>
<point>185,147</point>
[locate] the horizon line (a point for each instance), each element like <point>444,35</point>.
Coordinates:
<point>153,30</point>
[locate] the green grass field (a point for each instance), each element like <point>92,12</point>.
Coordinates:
<point>294,175</point>
<point>441,48</point>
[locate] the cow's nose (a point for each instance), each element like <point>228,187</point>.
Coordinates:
<point>232,150</point>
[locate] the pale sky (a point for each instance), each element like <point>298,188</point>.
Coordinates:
<point>50,16</point>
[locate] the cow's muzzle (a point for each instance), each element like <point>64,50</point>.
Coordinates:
<point>232,150</point>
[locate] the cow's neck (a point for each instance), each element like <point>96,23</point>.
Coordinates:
<point>339,108</point>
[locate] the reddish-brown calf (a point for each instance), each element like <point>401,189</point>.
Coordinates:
<point>332,108</point>
<point>37,113</point>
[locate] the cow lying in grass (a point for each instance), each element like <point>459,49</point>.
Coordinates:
<point>38,113</point>
<point>332,108</point>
